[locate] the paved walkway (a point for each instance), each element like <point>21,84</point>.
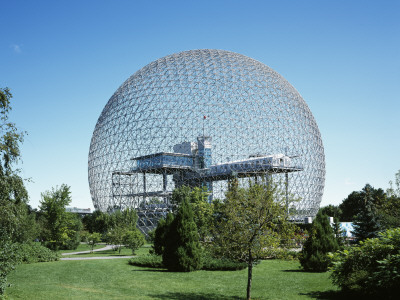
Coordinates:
<point>108,247</point>
<point>94,257</point>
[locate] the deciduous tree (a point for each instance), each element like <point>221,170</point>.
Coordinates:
<point>249,220</point>
<point>53,208</point>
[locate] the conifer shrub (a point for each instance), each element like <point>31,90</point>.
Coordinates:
<point>182,250</point>
<point>160,234</point>
<point>321,241</point>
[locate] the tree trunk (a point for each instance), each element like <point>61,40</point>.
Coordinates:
<point>249,276</point>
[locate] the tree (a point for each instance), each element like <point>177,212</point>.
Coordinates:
<point>160,234</point>
<point>338,232</point>
<point>96,222</point>
<point>182,250</point>
<point>331,211</point>
<point>92,239</point>
<point>52,206</point>
<point>248,221</point>
<point>133,239</point>
<point>366,223</point>
<point>115,236</point>
<point>321,241</point>
<point>354,203</point>
<point>126,219</point>
<point>394,191</point>
<point>15,223</point>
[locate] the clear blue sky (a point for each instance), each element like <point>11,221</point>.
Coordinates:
<point>64,59</point>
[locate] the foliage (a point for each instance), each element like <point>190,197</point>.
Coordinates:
<point>331,211</point>
<point>96,222</point>
<point>149,260</point>
<point>366,224</point>
<point>354,203</point>
<point>8,259</point>
<point>394,191</point>
<point>115,236</point>
<point>249,220</point>
<point>280,253</point>
<point>133,239</point>
<point>339,233</point>
<point>33,253</point>
<point>202,209</point>
<point>16,225</point>
<point>371,268</point>
<point>126,219</point>
<point>182,250</point>
<point>321,241</point>
<point>92,239</point>
<point>388,213</point>
<point>160,234</point>
<point>61,229</point>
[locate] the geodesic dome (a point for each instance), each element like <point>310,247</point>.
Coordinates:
<point>201,118</point>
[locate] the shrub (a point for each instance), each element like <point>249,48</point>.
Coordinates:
<point>210,263</point>
<point>8,261</point>
<point>281,253</point>
<point>160,234</point>
<point>371,268</point>
<point>321,241</point>
<point>182,250</point>
<point>149,260</point>
<point>32,253</point>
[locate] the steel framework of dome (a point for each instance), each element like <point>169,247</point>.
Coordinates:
<point>201,118</point>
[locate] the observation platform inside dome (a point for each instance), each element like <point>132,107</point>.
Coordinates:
<point>170,163</point>
<point>192,163</point>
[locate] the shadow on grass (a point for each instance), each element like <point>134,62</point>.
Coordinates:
<point>192,296</point>
<point>151,270</point>
<point>334,295</point>
<point>296,271</point>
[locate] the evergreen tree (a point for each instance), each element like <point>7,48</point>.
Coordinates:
<point>160,234</point>
<point>182,251</point>
<point>320,242</point>
<point>339,232</point>
<point>366,224</point>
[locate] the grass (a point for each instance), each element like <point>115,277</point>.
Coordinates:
<point>115,279</point>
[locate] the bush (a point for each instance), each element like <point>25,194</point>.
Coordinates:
<point>32,253</point>
<point>321,241</point>
<point>149,260</point>
<point>281,253</point>
<point>371,268</point>
<point>210,263</point>
<point>182,252</point>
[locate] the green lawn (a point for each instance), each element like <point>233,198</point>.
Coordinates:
<point>115,279</point>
